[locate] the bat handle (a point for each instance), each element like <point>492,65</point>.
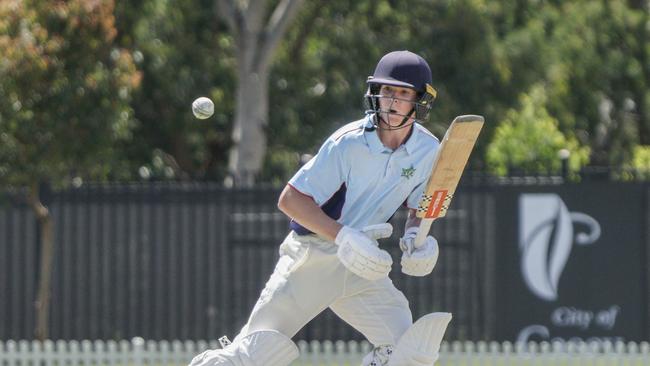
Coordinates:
<point>423,232</point>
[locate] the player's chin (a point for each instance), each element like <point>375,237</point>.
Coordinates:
<point>394,121</point>
<point>389,119</point>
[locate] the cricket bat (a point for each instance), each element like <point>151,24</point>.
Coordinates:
<point>448,167</point>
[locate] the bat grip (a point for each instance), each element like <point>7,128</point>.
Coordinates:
<point>423,232</point>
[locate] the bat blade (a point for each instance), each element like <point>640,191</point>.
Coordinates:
<point>448,167</point>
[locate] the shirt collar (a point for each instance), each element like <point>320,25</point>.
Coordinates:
<point>372,138</point>
<point>411,144</point>
<point>376,146</point>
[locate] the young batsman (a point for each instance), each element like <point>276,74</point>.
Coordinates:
<point>340,202</point>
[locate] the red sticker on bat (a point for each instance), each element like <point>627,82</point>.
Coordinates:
<point>437,200</point>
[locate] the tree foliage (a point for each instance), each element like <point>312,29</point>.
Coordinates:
<point>590,57</point>
<point>528,140</point>
<point>640,164</point>
<point>64,92</point>
<point>183,53</point>
<point>600,76</point>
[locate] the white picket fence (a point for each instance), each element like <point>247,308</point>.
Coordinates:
<point>177,353</point>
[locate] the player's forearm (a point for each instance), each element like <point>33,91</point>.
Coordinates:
<point>306,212</point>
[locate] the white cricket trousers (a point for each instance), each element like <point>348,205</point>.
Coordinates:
<point>309,277</point>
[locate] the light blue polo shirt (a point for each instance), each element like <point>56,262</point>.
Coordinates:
<point>358,181</point>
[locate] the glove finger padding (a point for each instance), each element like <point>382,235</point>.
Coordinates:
<point>421,261</point>
<point>379,231</point>
<point>361,255</point>
<point>407,242</point>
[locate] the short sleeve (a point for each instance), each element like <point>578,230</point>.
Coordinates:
<point>323,175</point>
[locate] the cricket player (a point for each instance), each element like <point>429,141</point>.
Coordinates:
<point>340,203</point>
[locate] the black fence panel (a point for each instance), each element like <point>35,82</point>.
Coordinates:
<point>188,261</point>
<point>19,255</point>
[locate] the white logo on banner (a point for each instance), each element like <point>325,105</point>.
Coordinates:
<point>546,237</point>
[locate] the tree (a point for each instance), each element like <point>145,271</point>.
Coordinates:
<point>528,140</point>
<point>600,76</point>
<point>639,167</point>
<point>257,33</point>
<point>590,56</point>
<point>64,106</point>
<point>183,54</point>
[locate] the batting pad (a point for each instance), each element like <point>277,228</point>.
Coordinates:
<point>420,344</point>
<point>260,348</point>
<point>269,348</point>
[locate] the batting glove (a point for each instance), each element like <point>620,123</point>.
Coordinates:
<point>418,261</point>
<point>359,251</point>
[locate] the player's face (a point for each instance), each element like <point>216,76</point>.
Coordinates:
<point>396,102</point>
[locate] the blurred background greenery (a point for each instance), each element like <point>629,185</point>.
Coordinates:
<point>101,90</point>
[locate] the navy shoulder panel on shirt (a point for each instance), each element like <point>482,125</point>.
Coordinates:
<point>351,129</point>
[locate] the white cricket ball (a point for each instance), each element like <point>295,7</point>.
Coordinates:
<point>202,108</point>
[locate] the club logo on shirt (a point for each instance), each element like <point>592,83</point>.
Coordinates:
<point>408,172</point>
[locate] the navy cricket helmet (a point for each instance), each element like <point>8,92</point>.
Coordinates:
<point>407,70</point>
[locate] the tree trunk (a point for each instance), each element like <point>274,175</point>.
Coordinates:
<point>249,130</point>
<point>257,38</point>
<point>47,254</point>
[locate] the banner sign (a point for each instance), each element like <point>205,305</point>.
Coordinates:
<point>571,263</point>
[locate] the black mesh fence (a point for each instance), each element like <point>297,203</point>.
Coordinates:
<point>188,261</point>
